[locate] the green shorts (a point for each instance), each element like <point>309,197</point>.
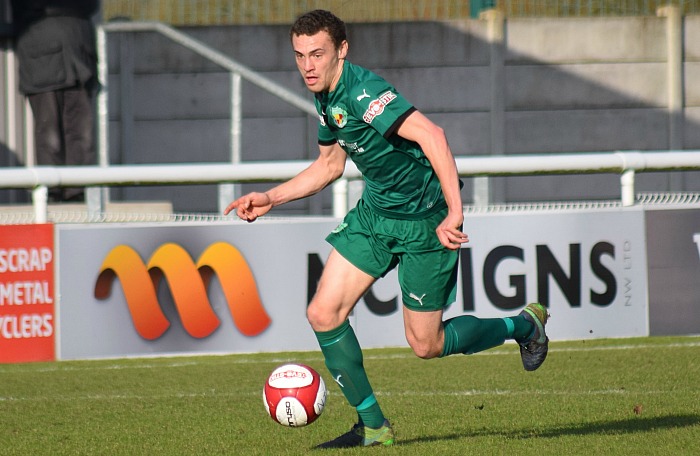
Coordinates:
<point>427,270</point>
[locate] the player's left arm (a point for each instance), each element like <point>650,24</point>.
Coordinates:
<point>431,138</point>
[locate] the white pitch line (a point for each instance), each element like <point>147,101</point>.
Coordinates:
<point>214,394</point>
<point>317,358</point>
<point>128,397</point>
<point>605,392</point>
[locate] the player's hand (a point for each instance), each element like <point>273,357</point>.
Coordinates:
<point>449,231</point>
<point>251,206</point>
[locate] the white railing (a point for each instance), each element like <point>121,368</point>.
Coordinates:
<point>626,164</point>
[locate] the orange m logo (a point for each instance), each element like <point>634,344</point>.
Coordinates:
<point>188,285</point>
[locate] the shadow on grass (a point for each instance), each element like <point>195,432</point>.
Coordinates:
<point>627,426</point>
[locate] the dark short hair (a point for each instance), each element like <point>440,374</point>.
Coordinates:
<point>320,20</point>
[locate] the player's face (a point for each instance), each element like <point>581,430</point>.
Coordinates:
<point>319,62</point>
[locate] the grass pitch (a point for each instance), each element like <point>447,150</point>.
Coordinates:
<point>625,396</point>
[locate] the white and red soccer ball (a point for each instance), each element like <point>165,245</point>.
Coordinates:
<point>294,395</point>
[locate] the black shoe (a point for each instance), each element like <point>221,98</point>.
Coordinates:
<point>534,350</point>
<point>361,435</point>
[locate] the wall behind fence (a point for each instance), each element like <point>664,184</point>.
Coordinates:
<point>497,86</point>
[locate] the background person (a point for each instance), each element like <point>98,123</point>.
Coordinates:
<point>57,57</point>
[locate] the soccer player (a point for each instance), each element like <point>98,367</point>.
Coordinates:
<point>410,216</point>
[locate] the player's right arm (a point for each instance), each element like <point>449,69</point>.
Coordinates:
<point>328,167</point>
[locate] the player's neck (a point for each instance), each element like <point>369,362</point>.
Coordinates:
<point>336,78</point>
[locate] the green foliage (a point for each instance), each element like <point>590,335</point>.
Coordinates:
<point>626,396</point>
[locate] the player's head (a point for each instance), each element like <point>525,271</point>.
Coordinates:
<point>320,46</point>
<point>320,20</point>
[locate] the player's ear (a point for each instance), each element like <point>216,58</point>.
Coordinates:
<point>343,50</point>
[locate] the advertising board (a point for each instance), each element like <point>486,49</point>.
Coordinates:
<point>674,271</point>
<point>27,295</point>
<point>231,287</point>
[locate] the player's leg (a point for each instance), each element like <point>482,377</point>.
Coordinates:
<point>428,280</point>
<point>357,260</point>
<point>424,332</point>
<point>430,337</point>
<point>339,289</point>
<point>468,334</point>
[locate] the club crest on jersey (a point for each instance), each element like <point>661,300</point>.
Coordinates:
<point>340,116</point>
<point>376,107</point>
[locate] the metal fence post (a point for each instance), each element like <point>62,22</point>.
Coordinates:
<point>94,199</point>
<point>40,197</point>
<point>340,197</point>
<point>102,112</point>
<point>229,192</point>
<point>627,187</point>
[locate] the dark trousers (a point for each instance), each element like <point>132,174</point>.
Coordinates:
<point>64,123</point>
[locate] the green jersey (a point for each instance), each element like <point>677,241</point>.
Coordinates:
<point>362,115</point>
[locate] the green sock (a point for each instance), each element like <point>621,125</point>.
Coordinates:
<point>343,357</point>
<point>522,329</point>
<point>468,334</point>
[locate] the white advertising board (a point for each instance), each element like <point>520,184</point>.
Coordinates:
<point>149,289</point>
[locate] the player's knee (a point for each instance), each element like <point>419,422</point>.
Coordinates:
<point>320,318</point>
<point>425,349</point>
<point>313,316</point>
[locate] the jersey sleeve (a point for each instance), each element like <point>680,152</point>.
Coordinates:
<point>325,137</point>
<point>380,105</point>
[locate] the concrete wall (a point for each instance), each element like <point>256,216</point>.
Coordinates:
<point>497,87</point>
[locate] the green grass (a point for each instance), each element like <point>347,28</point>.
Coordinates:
<point>581,401</point>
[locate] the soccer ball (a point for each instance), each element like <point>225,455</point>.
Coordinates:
<point>294,395</point>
